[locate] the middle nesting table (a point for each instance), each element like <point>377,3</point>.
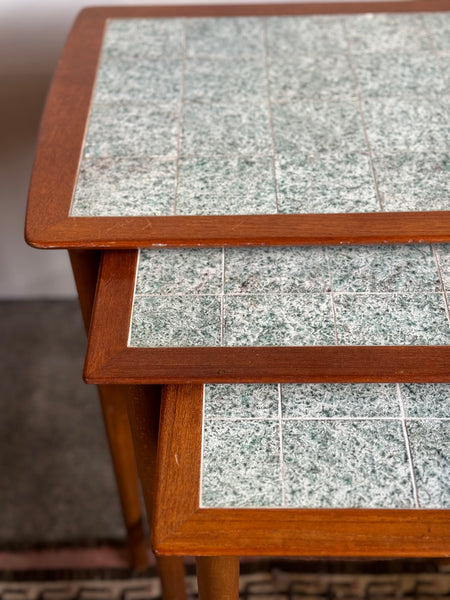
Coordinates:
<point>284,314</point>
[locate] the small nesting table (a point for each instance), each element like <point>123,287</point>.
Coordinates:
<point>220,126</point>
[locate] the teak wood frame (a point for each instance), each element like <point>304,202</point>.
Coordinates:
<point>181,526</point>
<point>109,359</point>
<point>62,135</point>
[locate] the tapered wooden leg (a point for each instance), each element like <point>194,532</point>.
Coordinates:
<point>143,412</point>
<point>85,265</point>
<point>218,577</point>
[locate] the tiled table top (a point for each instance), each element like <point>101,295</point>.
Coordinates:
<point>326,446</point>
<point>269,115</point>
<point>292,296</point>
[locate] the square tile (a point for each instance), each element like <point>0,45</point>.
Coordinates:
<point>179,271</point>
<point>298,76</point>
<point>241,464</point>
<point>225,37</point>
<point>398,74</point>
<point>438,24</point>
<point>407,125</point>
<point>388,32</point>
<point>218,80</point>
<point>290,36</point>
<point>391,319</point>
<point>123,186</point>
<point>430,449</point>
<point>210,129</point>
<point>176,321</point>
<point>142,39</point>
<point>156,82</point>
<point>334,400</point>
<point>426,399</point>
<point>325,183</point>
<point>132,130</point>
<point>384,269</point>
<point>219,186</point>
<point>346,464</point>
<point>241,401</point>
<point>318,126</point>
<point>282,270</point>
<point>409,181</point>
<point>273,320</point>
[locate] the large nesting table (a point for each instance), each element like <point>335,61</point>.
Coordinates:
<point>267,125</point>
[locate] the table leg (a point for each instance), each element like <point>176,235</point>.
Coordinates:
<point>218,577</point>
<point>143,412</point>
<point>85,265</point>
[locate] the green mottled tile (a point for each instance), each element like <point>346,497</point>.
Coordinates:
<point>180,271</point>
<point>274,320</point>
<point>384,269</point>
<point>240,400</point>
<point>325,183</point>
<point>225,129</point>
<point>218,186</point>
<point>218,80</point>
<point>141,39</point>
<point>225,37</point>
<point>313,400</point>
<point>443,257</point>
<point>177,321</point>
<point>438,24</point>
<point>311,76</point>
<point>291,36</point>
<point>119,186</point>
<point>410,181</point>
<point>426,399</point>
<point>346,464</point>
<point>398,74</point>
<point>387,33</point>
<point>391,319</point>
<point>157,81</point>
<point>412,125</point>
<point>444,63</point>
<point>282,270</point>
<point>430,449</point>
<point>317,126</point>
<point>132,129</point>
<point>241,464</point>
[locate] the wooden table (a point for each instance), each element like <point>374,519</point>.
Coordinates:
<point>146,132</point>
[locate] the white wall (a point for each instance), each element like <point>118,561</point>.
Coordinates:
<point>32,34</point>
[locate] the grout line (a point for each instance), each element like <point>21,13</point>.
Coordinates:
<point>200,494</point>
<point>443,291</point>
<point>180,119</point>
<point>320,418</point>
<point>280,425</point>
<point>269,101</point>
<point>360,105</point>
<point>278,294</point>
<point>333,307</point>
<point>134,298</point>
<point>222,302</point>
<point>408,447</point>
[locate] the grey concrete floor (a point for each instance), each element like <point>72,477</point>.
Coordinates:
<point>56,480</point>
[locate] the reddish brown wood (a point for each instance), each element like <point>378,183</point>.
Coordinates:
<point>62,133</point>
<point>110,360</point>
<point>218,577</point>
<point>85,265</point>
<point>180,526</point>
<point>143,410</point>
